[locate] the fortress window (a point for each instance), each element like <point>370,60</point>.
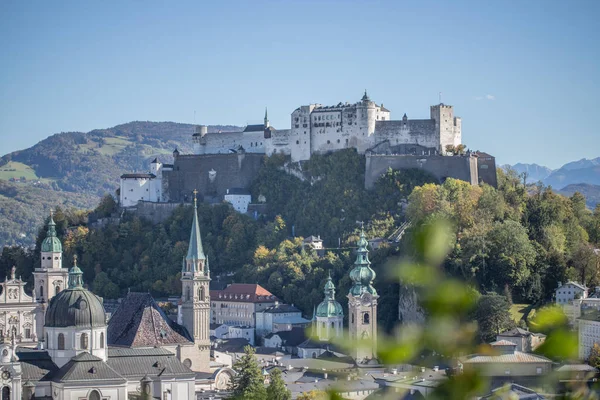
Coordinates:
<point>328,142</point>
<point>346,140</point>
<point>338,140</point>
<point>297,142</point>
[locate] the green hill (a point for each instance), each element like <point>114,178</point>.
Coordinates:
<point>75,169</point>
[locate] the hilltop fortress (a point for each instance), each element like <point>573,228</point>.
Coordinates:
<point>224,164</point>
<point>316,129</point>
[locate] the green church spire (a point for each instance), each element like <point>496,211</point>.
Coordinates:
<point>51,243</point>
<point>195,251</point>
<point>362,275</point>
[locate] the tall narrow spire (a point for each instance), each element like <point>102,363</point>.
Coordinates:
<point>195,251</point>
<point>266,119</point>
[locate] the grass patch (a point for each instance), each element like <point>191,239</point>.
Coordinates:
<point>522,312</point>
<point>17,170</point>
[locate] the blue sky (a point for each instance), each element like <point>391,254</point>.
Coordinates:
<point>523,75</point>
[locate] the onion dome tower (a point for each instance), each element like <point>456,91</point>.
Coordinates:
<point>75,322</point>
<point>330,314</point>
<point>51,247</point>
<point>362,303</point>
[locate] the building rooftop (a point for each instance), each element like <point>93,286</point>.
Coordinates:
<point>514,391</point>
<point>243,292</point>
<point>290,338</point>
<point>140,322</point>
<point>580,286</point>
<point>138,176</point>
<point>518,332</point>
<point>506,358</point>
<point>238,191</point>
<point>281,308</point>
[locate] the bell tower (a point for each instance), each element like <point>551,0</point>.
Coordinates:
<point>362,304</point>
<point>50,278</point>
<point>195,297</point>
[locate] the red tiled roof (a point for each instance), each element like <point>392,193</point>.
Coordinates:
<point>243,292</point>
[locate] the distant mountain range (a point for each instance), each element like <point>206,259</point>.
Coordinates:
<point>577,176</point>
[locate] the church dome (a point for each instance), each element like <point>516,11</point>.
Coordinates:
<point>75,306</point>
<point>329,307</point>
<point>51,244</point>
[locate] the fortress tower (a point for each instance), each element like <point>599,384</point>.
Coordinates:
<point>447,126</point>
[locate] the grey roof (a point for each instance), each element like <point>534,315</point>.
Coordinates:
<point>574,284</point>
<point>133,364</point>
<point>85,368</point>
<point>75,307</point>
<point>576,368</point>
<point>290,338</point>
<point>238,191</point>
<point>146,176</point>
<point>140,322</point>
<point>513,357</point>
<point>515,391</point>
<point>255,128</point>
<point>281,308</point>
<point>518,332</point>
<point>235,345</point>
<point>35,364</point>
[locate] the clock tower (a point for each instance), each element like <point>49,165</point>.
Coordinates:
<point>362,304</point>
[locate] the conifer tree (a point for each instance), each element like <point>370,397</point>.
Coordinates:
<point>277,389</point>
<point>248,383</point>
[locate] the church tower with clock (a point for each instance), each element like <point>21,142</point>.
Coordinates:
<point>362,305</point>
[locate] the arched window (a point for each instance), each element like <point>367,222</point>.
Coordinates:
<point>101,340</point>
<point>84,341</point>
<point>47,340</point>
<point>94,395</point>
<point>56,290</point>
<point>332,325</point>
<point>61,341</point>
<point>201,293</point>
<point>187,294</point>
<point>5,393</point>
<point>41,291</point>
<point>352,317</point>
<point>366,319</point>
<point>314,355</point>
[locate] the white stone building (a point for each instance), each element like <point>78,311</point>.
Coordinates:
<point>589,332</point>
<point>329,316</point>
<point>365,126</point>
<point>17,311</point>
<point>279,317</point>
<point>239,198</point>
<point>570,291</point>
<point>239,303</point>
<point>142,186</point>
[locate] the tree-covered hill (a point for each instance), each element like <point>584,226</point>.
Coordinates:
<point>512,240</point>
<point>76,169</point>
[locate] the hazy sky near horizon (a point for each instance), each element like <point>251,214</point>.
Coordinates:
<point>523,75</point>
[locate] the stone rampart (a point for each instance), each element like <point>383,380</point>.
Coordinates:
<point>442,167</point>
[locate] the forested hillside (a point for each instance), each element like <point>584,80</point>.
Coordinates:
<point>76,169</point>
<point>511,240</point>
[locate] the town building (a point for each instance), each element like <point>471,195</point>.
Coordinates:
<point>505,364</point>
<point>589,331</point>
<point>570,291</point>
<point>525,340</point>
<point>18,312</point>
<point>279,317</point>
<point>239,303</point>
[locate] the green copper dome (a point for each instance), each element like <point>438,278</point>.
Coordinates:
<point>51,244</point>
<point>76,306</point>
<point>329,307</point>
<point>362,275</point>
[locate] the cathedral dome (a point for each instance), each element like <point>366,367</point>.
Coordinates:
<point>51,244</point>
<point>75,306</point>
